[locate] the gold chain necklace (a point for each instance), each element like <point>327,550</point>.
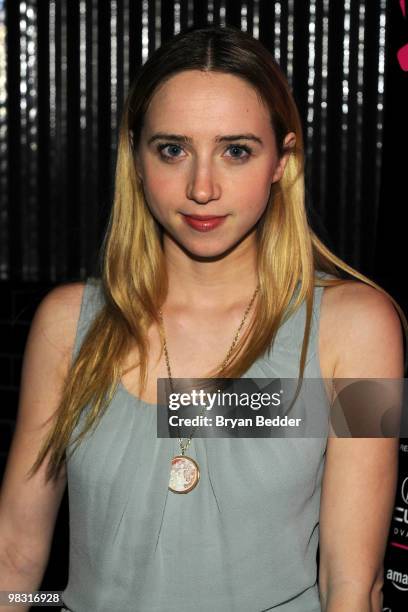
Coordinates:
<point>185,471</point>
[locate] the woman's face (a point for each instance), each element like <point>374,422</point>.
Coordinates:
<point>207,148</point>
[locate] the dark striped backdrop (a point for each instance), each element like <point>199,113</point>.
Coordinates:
<point>64,77</point>
<point>65,67</point>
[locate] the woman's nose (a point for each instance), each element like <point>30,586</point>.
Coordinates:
<point>203,185</point>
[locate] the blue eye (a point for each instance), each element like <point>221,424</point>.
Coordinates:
<point>241,148</point>
<point>161,147</point>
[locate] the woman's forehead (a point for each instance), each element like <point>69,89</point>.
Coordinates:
<point>194,97</point>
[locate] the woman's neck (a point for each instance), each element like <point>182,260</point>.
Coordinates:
<point>215,282</point>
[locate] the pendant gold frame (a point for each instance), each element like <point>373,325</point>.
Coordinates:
<point>195,474</point>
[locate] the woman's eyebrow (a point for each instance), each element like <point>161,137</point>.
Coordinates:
<point>187,140</point>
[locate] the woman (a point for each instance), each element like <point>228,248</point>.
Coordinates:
<point>209,129</point>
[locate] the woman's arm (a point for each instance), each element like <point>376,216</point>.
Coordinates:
<point>359,481</point>
<point>29,507</point>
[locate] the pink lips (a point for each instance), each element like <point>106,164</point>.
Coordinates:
<point>204,223</point>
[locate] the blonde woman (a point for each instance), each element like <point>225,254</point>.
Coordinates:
<point>209,269</point>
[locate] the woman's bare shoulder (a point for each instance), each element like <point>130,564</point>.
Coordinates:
<point>357,323</point>
<point>56,318</point>
<point>66,291</point>
<point>64,299</point>
<point>357,302</point>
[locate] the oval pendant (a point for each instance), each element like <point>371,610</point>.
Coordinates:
<point>184,474</point>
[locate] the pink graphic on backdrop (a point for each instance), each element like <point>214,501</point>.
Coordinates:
<point>402,54</point>
<point>402,57</point>
<point>399,545</point>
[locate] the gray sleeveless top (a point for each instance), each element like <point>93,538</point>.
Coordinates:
<point>243,540</point>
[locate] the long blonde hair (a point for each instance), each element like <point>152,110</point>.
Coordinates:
<point>133,274</point>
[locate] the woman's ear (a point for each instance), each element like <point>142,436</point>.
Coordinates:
<point>288,146</point>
